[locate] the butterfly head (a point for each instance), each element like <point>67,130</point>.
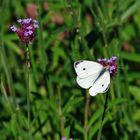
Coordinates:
<point>109,64</point>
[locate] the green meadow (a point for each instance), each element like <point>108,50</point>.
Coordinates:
<point>44,101</point>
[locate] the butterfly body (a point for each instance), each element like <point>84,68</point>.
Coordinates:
<point>93,76</point>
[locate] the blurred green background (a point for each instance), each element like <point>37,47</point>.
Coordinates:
<point>69,30</point>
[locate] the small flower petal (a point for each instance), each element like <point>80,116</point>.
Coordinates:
<point>35,25</point>
<point>109,60</point>
<point>35,21</point>
<point>19,20</point>
<point>110,71</point>
<point>13,28</point>
<point>27,20</point>
<point>112,67</point>
<point>114,58</point>
<point>29,27</point>
<point>26,34</point>
<point>30,32</point>
<point>104,60</point>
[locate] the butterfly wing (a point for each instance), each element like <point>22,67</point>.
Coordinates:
<point>85,68</point>
<point>101,85</point>
<point>87,72</point>
<point>88,81</point>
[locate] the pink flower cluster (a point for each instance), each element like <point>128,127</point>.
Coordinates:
<point>110,63</point>
<point>26,32</point>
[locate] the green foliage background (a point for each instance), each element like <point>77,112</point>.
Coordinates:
<point>59,107</point>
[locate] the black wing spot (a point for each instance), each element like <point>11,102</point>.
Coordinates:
<point>78,62</point>
<point>84,68</point>
<point>102,85</point>
<point>107,88</point>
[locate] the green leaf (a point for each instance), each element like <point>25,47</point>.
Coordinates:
<point>133,76</point>
<point>13,46</point>
<point>94,117</point>
<point>117,102</point>
<point>130,56</point>
<point>94,129</point>
<point>67,132</point>
<point>63,29</point>
<point>130,11</point>
<point>135,91</point>
<point>71,103</point>
<point>136,115</point>
<point>52,105</point>
<point>79,128</point>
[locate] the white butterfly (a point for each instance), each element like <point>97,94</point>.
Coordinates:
<point>92,76</point>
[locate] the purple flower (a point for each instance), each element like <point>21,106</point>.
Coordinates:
<point>110,64</point>
<point>27,29</point>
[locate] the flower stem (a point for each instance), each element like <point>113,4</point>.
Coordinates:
<point>103,116</point>
<point>28,91</point>
<point>86,116</point>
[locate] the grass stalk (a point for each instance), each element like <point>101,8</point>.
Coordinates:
<point>6,98</point>
<point>61,113</point>
<point>103,117</point>
<point>28,91</point>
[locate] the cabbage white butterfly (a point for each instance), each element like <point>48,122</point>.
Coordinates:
<point>95,76</point>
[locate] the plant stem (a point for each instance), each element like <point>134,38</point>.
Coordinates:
<point>103,116</point>
<point>86,116</point>
<point>60,112</point>
<point>28,91</point>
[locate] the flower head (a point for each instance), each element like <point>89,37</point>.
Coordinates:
<point>26,30</point>
<point>110,63</point>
